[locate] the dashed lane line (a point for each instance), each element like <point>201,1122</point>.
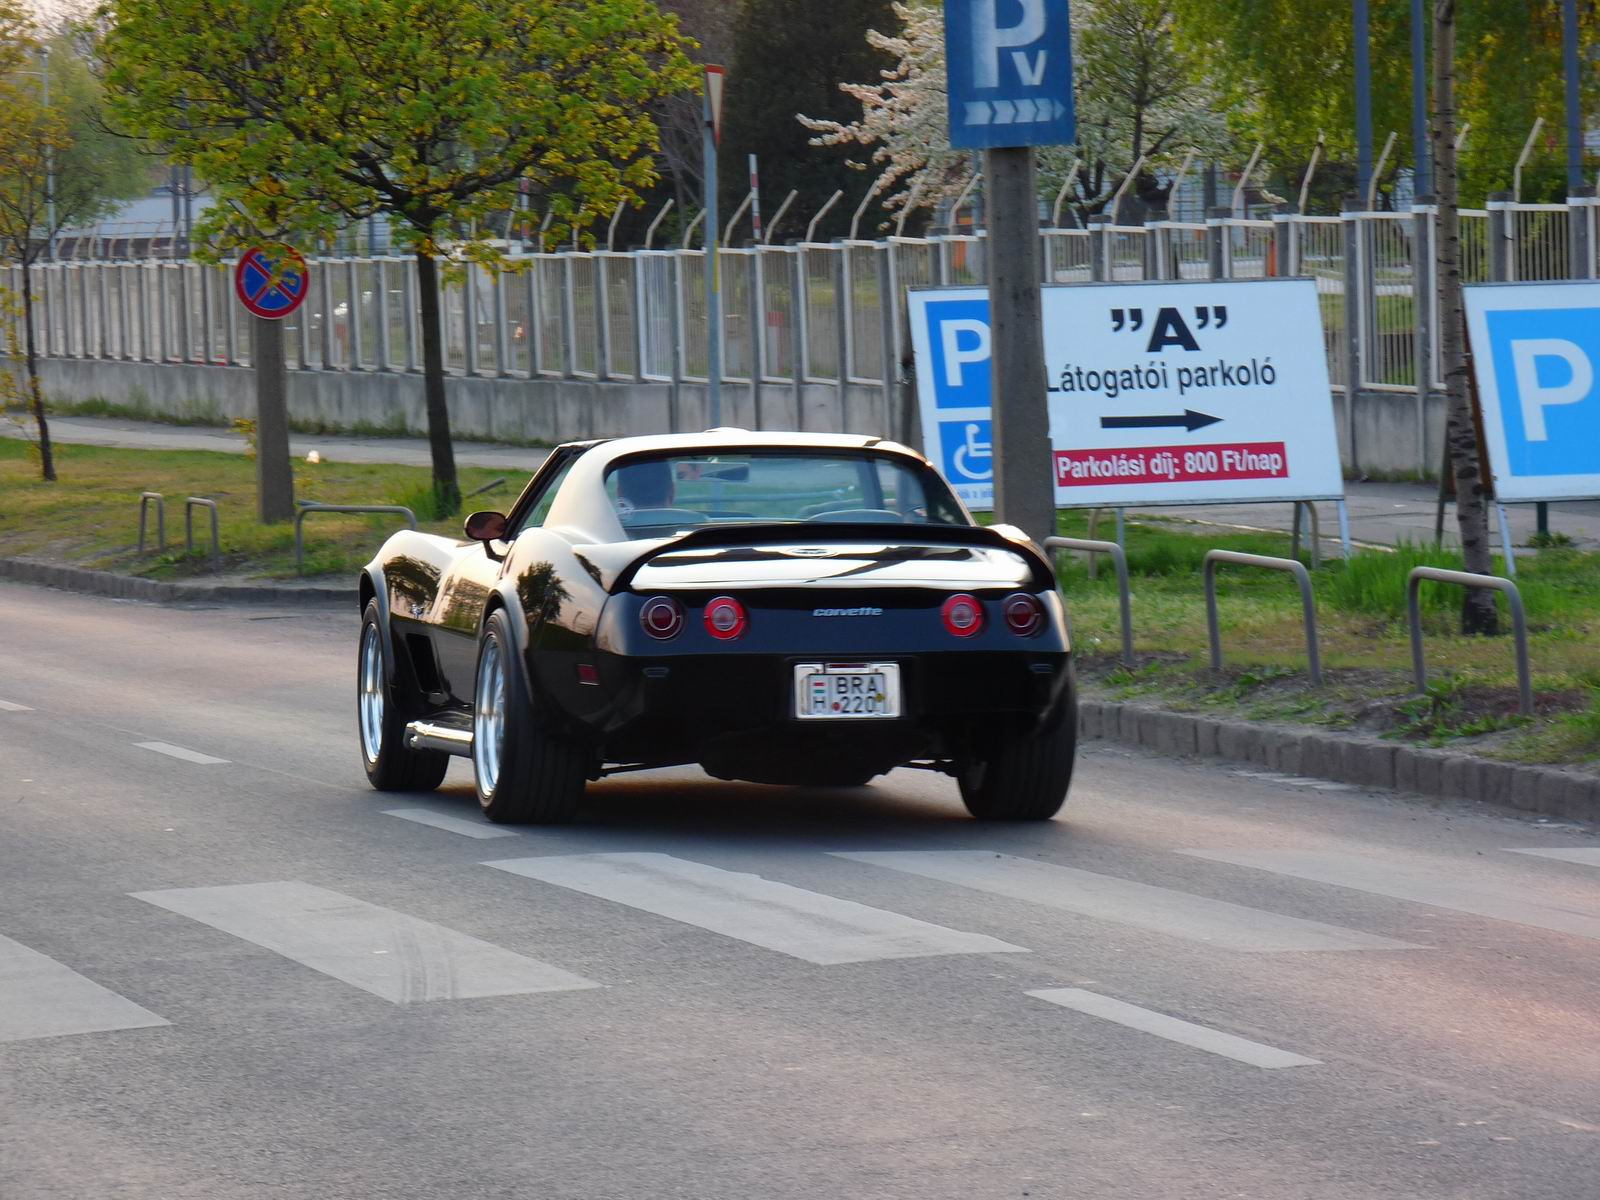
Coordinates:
<point>472,829</point>
<point>9,706</point>
<point>1200,1037</point>
<point>1162,910</point>
<point>776,916</point>
<point>41,998</point>
<point>171,751</point>
<point>397,957</point>
<point>1588,856</point>
<point>1457,891</point>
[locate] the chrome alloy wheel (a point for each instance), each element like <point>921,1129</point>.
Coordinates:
<point>369,699</point>
<point>489,715</point>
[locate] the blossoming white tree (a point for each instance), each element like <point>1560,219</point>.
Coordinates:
<point>1137,92</point>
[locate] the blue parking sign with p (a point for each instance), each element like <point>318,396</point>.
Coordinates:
<point>1536,358</point>
<point>1544,363</point>
<point>958,344</point>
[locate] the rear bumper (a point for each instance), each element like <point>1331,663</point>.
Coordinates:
<point>735,712</point>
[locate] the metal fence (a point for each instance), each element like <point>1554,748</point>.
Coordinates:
<point>823,313</point>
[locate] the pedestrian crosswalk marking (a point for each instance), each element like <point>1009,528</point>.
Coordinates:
<point>172,751</point>
<point>1106,897</point>
<point>41,998</point>
<point>806,925</point>
<point>394,956</point>
<point>1437,888</point>
<point>479,828</point>
<point>1588,856</point>
<point>1201,1037</point>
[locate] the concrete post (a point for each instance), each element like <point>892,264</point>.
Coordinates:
<point>1098,267</point>
<point>325,291</point>
<point>1423,304</point>
<point>888,324</point>
<point>1423,297</point>
<point>124,324</point>
<point>469,319</point>
<point>1024,492</point>
<point>637,274</point>
<point>413,304</point>
<point>1285,242</point>
<point>602,318</point>
<point>230,319</point>
<point>1354,325</point>
<point>207,342</point>
<point>161,338</point>
<point>843,306</point>
<point>1154,254</point>
<point>675,295</point>
<point>1217,241</point>
<point>86,349</point>
<point>1580,211</point>
<point>1502,234</point>
<point>569,358</point>
<point>274,476</point>
<point>380,287</point>
<point>757,339</point>
<point>797,268</point>
<point>353,286</point>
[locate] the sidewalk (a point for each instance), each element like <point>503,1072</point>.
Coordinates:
<point>1381,514</point>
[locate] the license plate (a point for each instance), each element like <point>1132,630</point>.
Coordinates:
<point>846,691</point>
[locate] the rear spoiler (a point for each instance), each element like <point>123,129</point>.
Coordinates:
<point>615,566</point>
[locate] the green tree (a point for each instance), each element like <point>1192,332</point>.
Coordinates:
<point>59,168</point>
<point>789,58</point>
<point>307,115</point>
<point>1287,71</point>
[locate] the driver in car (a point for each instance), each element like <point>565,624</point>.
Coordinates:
<point>645,485</point>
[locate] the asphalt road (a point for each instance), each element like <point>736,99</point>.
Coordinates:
<point>228,970</point>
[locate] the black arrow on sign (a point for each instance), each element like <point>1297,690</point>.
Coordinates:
<point>1188,419</point>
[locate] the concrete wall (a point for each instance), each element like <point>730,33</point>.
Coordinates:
<point>1392,435</point>
<point>513,409</point>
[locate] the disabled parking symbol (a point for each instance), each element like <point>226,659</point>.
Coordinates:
<point>967,450</point>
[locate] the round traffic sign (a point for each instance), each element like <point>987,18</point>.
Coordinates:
<point>271,280</point>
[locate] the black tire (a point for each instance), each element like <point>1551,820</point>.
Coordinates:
<point>1024,777</point>
<point>381,720</point>
<point>536,778</point>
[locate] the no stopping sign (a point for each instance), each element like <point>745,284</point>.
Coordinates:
<point>271,280</point>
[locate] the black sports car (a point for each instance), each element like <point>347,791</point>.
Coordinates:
<point>777,607</point>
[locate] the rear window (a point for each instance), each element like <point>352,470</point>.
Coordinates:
<point>658,495</point>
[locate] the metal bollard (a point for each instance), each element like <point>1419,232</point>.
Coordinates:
<point>307,507</point>
<point>189,505</point>
<point>1308,606</point>
<point>1519,623</point>
<point>1124,596</point>
<point>161,519</point>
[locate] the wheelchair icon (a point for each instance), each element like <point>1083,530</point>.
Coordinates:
<point>971,450</point>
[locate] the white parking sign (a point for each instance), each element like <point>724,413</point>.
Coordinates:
<point>1158,393</point>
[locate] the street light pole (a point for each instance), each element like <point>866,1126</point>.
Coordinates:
<point>1569,53</point>
<point>49,155</point>
<point>1419,99</point>
<point>1363,51</point>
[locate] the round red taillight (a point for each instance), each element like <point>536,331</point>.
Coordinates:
<point>1024,614</point>
<point>662,617</point>
<point>963,616</point>
<point>725,618</point>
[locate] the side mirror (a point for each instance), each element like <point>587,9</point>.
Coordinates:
<point>485,526</point>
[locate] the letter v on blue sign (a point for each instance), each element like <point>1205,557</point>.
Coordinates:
<point>1008,66</point>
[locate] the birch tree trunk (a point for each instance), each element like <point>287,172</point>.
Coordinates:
<point>1478,613</point>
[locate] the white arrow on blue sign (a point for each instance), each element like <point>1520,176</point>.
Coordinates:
<point>1009,73</point>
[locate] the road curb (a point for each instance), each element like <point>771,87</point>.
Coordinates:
<point>128,587</point>
<point>1347,758</point>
